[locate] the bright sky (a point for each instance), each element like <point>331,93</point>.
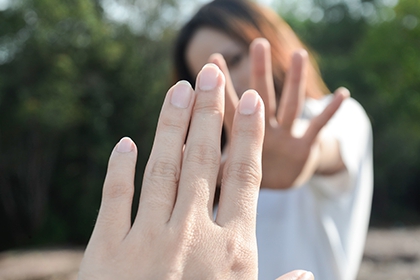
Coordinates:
<point>4,4</point>
<point>123,11</point>
<point>265,2</point>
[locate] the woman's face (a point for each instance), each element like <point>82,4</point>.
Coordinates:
<point>207,41</point>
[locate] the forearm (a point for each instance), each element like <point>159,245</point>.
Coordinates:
<point>324,159</point>
<point>330,160</point>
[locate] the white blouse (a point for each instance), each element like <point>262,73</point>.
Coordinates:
<point>321,226</point>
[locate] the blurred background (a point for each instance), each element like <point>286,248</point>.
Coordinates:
<point>76,76</point>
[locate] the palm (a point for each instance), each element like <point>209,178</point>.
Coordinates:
<point>290,145</point>
<point>283,151</point>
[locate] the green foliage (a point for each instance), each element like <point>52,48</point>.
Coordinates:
<point>71,85</point>
<point>388,60</point>
<point>379,61</point>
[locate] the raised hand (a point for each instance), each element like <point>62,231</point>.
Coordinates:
<point>293,149</point>
<point>174,235</point>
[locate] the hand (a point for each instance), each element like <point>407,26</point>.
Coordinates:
<point>292,150</point>
<point>174,235</point>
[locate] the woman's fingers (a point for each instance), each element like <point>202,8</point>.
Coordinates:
<point>231,97</point>
<point>319,121</point>
<point>262,75</point>
<point>201,159</point>
<point>294,90</point>
<point>242,170</point>
<point>163,169</point>
<point>114,218</point>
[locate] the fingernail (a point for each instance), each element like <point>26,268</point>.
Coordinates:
<point>306,276</point>
<point>345,92</point>
<point>181,95</point>
<point>248,102</point>
<point>300,53</point>
<point>125,145</point>
<point>207,80</point>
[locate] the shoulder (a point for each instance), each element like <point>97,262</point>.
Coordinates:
<point>353,107</point>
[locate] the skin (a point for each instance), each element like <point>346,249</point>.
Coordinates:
<point>174,235</point>
<point>294,150</point>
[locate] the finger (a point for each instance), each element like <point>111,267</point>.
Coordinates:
<point>242,171</point>
<point>201,159</point>
<point>293,95</point>
<point>162,172</point>
<point>262,75</point>
<point>319,121</point>
<point>231,97</point>
<point>297,275</point>
<point>114,218</point>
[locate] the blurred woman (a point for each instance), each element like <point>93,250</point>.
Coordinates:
<point>317,182</point>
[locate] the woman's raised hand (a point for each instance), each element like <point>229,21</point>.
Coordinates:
<point>292,148</point>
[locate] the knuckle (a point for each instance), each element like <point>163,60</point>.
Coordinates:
<point>204,154</point>
<point>259,71</point>
<point>172,124</point>
<point>296,79</point>
<point>247,130</point>
<point>208,107</point>
<point>241,252</point>
<point>115,191</point>
<point>246,172</point>
<point>163,169</point>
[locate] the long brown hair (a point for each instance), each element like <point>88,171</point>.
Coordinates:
<point>245,21</point>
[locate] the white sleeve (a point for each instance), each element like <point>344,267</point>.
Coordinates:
<point>351,127</point>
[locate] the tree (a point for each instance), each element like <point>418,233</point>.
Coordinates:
<point>71,84</point>
<point>387,63</point>
<point>377,58</point>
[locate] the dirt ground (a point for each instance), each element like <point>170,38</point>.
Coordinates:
<point>392,254</point>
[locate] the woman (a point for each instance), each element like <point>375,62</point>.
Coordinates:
<point>317,158</point>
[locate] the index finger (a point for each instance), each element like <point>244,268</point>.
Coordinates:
<point>262,75</point>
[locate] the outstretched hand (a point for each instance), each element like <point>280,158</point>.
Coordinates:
<point>174,235</point>
<point>292,148</point>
